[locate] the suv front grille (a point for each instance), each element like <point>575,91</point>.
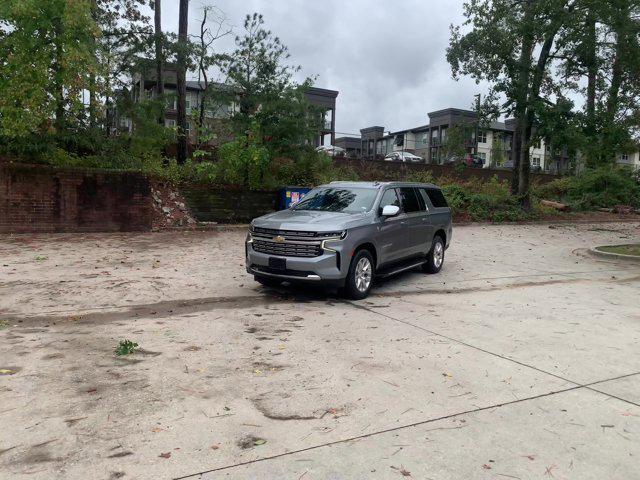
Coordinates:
<point>286,249</point>
<point>289,234</point>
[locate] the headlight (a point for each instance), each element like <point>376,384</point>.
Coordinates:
<point>341,235</point>
<point>249,238</point>
<point>335,239</point>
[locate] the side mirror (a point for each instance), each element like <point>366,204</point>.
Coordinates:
<point>390,210</point>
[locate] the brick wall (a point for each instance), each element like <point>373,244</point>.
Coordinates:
<point>38,198</point>
<point>394,171</point>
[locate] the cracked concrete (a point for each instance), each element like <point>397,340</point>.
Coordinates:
<point>519,360</point>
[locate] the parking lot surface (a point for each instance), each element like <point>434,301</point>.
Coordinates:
<point>519,360</point>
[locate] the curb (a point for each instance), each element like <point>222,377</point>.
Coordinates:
<point>614,256</point>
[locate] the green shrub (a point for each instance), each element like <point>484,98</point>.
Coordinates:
<point>601,187</point>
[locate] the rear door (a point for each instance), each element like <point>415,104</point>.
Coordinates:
<point>439,211</point>
<point>417,222</point>
<point>391,239</point>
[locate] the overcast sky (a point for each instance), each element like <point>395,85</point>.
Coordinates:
<point>387,59</point>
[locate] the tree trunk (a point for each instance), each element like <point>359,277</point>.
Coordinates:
<point>157,16</point>
<point>590,46</point>
<point>620,22</point>
<point>203,72</point>
<point>183,22</point>
<point>522,96</point>
<point>92,100</point>
<point>58,76</point>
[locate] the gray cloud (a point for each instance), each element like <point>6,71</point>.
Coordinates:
<point>387,59</point>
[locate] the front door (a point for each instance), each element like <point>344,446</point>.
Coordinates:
<point>391,238</point>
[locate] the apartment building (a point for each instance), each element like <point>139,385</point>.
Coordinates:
<point>144,86</point>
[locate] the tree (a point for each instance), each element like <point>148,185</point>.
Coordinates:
<point>269,99</point>
<point>158,39</point>
<point>125,35</point>
<point>45,63</point>
<point>212,27</point>
<point>509,44</point>
<point>183,24</point>
<point>456,141</point>
<point>601,46</point>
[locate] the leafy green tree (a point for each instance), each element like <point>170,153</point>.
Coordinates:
<point>45,63</point>
<point>456,141</point>
<point>600,58</point>
<point>509,44</point>
<point>268,97</point>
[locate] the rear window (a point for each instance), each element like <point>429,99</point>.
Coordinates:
<point>410,202</point>
<point>436,197</point>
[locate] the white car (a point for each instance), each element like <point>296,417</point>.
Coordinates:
<point>403,157</point>
<point>331,150</point>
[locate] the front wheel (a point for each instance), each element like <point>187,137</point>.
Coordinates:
<point>360,277</point>
<point>435,257</point>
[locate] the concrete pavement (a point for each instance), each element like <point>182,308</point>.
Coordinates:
<point>519,360</point>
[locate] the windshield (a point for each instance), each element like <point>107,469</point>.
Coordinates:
<point>338,199</point>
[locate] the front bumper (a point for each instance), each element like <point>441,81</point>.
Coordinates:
<point>326,269</point>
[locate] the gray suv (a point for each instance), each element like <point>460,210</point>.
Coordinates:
<point>346,233</point>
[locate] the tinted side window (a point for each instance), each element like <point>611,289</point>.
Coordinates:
<point>410,202</point>
<point>390,197</point>
<point>437,198</point>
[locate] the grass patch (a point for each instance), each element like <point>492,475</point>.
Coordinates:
<point>126,347</point>
<point>622,249</point>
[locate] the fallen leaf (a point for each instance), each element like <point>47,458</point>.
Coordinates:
<point>215,447</point>
<point>157,429</point>
<point>446,374</point>
<point>165,455</point>
<point>405,473</point>
<point>259,441</point>
<point>6,371</point>
<point>486,467</point>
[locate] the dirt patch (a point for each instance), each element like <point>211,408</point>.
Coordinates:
<point>249,442</point>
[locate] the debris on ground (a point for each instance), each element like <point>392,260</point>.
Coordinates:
<point>250,442</point>
<point>126,347</point>
<point>169,207</point>
<point>561,207</point>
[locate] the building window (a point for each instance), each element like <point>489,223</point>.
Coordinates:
<point>482,156</point>
<point>535,161</point>
<point>170,123</point>
<point>482,136</point>
<point>537,144</point>
<point>624,157</point>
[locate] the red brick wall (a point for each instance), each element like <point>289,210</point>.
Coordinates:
<point>38,198</point>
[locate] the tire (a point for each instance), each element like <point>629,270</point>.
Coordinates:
<point>360,277</point>
<point>267,281</point>
<point>435,257</point>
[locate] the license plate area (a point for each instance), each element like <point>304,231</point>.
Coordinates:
<point>278,263</point>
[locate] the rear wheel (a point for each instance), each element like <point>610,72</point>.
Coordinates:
<point>360,277</point>
<point>267,281</point>
<point>435,257</point>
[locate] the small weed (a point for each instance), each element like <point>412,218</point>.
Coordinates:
<point>4,324</point>
<point>126,347</point>
<point>40,258</point>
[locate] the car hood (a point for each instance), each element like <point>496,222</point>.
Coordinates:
<point>309,221</point>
